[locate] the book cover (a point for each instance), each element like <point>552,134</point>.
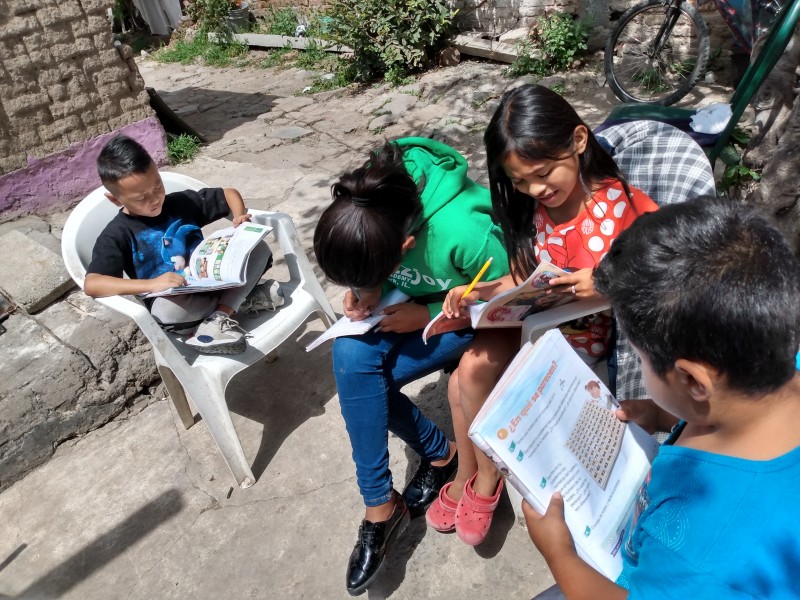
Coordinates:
<point>549,425</point>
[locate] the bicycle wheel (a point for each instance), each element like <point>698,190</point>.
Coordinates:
<point>638,71</point>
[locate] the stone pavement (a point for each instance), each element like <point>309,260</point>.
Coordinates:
<point>142,508</point>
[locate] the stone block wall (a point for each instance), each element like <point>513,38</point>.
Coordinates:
<point>499,16</point>
<point>63,85</point>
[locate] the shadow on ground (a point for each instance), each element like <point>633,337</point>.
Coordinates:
<point>209,111</point>
<point>288,398</point>
<point>60,579</point>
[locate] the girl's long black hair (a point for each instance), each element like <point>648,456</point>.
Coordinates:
<point>359,238</point>
<point>536,124</point>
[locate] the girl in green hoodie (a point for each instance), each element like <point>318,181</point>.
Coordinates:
<point>411,219</point>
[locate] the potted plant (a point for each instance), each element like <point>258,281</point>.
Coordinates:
<point>238,19</point>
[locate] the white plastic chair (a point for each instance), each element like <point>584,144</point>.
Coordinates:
<point>204,378</point>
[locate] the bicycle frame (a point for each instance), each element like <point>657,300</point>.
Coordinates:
<point>672,12</point>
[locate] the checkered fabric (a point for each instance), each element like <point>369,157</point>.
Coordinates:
<point>659,159</point>
<point>630,384</point>
<point>669,166</point>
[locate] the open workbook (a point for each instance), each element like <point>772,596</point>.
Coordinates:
<point>219,261</point>
<point>510,308</point>
<point>549,426</point>
<point>346,326</point>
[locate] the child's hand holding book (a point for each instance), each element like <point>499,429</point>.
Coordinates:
<point>165,281</point>
<point>580,283</point>
<point>549,532</point>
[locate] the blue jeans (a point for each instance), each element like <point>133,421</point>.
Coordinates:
<point>370,369</point>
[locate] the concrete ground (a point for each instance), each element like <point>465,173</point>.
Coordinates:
<point>143,508</point>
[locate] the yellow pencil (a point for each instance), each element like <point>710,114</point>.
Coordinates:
<point>471,286</point>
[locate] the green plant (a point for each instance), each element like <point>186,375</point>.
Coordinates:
<point>313,56</point>
<point>651,80</point>
<point>735,173</point>
<point>275,57</point>
<point>397,76</point>
<point>280,21</point>
<point>181,51</point>
<point>393,37</point>
<point>221,55</point>
<point>527,60</point>
<point>558,88</point>
<point>182,148</point>
<point>210,17</point>
<point>342,76</point>
<point>734,176</point>
<point>215,55</point>
<point>139,43</point>
<point>683,68</point>
<point>554,43</point>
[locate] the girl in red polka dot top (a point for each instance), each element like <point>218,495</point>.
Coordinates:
<point>560,198</point>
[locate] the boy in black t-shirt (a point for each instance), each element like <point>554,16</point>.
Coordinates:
<point>150,240</point>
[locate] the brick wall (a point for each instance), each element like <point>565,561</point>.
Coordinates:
<point>62,83</point>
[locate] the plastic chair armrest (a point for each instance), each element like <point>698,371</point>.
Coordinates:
<point>535,325</point>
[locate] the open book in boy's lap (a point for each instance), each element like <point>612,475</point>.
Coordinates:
<point>219,261</point>
<point>510,308</point>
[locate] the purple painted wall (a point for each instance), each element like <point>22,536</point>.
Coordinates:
<point>60,180</point>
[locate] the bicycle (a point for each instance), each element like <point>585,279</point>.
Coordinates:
<point>660,48</point>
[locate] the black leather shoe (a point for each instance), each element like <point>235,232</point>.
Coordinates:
<point>373,542</point>
<point>425,485</point>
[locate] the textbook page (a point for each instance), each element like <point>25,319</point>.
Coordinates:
<point>220,260</point>
<point>345,326</point>
<point>549,425</point>
<point>510,308</point>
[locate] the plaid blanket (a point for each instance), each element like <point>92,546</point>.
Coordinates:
<point>659,159</point>
<point>669,166</point>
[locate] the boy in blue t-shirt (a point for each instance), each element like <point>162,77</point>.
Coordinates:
<point>151,239</point>
<point>709,294</point>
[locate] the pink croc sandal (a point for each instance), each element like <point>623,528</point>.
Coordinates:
<point>441,514</point>
<point>474,513</point>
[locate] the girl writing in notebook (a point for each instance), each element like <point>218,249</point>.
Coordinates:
<point>411,219</point>
<point>560,198</point>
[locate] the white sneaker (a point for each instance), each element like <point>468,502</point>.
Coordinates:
<point>267,296</point>
<point>218,334</point>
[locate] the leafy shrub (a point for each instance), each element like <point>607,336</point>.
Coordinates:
<point>210,17</point>
<point>735,174</point>
<point>554,43</point>
<point>394,36</point>
<point>280,21</point>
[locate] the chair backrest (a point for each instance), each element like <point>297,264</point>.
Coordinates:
<point>659,159</point>
<point>88,219</point>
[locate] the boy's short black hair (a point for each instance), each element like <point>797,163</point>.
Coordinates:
<point>121,157</point>
<point>708,280</point>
